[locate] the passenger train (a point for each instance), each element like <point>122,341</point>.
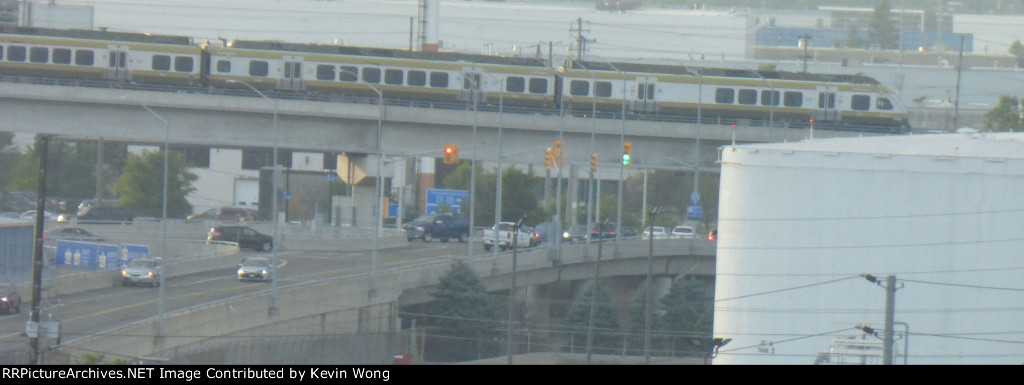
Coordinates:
<point>580,87</point>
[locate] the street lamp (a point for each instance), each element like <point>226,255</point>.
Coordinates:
<point>380,185</point>
<point>512,288</point>
<point>647,297</point>
<point>593,289</point>
<point>160,301</point>
<point>273,205</point>
<point>498,182</point>
<point>622,167</point>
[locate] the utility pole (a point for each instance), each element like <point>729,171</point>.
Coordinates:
<point>581,42</point>
<point>803,42</point>
<point>42,143</point>
<point>890,303</point>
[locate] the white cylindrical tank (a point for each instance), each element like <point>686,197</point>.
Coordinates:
<point>799,223</point>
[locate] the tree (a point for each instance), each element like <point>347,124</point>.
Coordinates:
<point>882,31</point>
<point>465,319</point>
<point>71,168</point>
<point>853,39</point>
<point>687,321</point>
<point>607,334</point>
<point>1005,116</point>
<point>140,186</point>
<point>1017,49</point>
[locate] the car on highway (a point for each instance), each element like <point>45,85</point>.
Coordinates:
<point>599,230</point>
<point>233,214</point>
<point>575,233</point>
<point>256,269</point>
<point>10,299</point>
<point>713,235</point>
<point>31,214</point>
<point>141,271</point>
<point>659,233</point>
<point>103,214</point>
<point>71,234</point>
<point>245,236</point>
<point>681,232</point>
<point>629,232</point>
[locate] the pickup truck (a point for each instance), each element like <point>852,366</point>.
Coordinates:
<point>440,226</point>
<point>524,238</point>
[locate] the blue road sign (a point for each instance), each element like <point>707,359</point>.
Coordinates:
<point>694,211</point>
<point>451,198</point>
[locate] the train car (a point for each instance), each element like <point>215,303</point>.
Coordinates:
<point>433,77</point>
<point>98,55</point>
<point>852,101</point>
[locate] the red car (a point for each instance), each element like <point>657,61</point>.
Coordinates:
<point>10,300</point>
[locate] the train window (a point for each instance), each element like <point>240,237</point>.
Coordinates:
<point>348,74</point>
<point>826,100</point>
<point>793,99</point>
<point>39,55</point>
<point>603,89</point>
<point>515,84</point>
<point>417,78</point>
<point>471,81</point>
<point>84,57</point>
<point>579,88</point>
<point>393,76</point>
<point>258,68</point>
<point>747,96</point>
<point>1,52</point>
<point>161,62</point>
<point>439,79</point>
<point>371,75</point>
<point>183,64</point>
<point>16,53</point>
<point>883,104</point>
<point>724,95</point>
<point>325,72</point>
<point>223,66</point>
<point>538,86</point>
<point>61,56</point>
<point>860,102</point>
<point>769,98</point>
<point>645,91</point>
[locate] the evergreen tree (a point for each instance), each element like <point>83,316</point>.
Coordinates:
<point>465,320</point>
<point>607,336</point>
<point>882,32</point>
<point>853,40</point>
<point>141,184</point>
<point>687,321</point>
<point>1017,50</point>
<point>1005,116</point>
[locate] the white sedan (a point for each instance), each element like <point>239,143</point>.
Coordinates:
<point>659,233</point>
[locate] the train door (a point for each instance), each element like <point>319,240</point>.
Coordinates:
<point>645,90</point>
<point>471,86</point>
<point>117,64</point>
<point>827,110</point>
<point>291,77</point>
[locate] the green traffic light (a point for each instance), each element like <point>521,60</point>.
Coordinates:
<point>625,159</point>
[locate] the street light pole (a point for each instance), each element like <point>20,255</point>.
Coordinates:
<point>160,326</point>
<point>593,290</point>
<point>275,180</point>
<point>498,183</point>
<point>647,296</point>
<point>512,287</point>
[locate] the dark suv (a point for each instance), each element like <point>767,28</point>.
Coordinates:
<point>244,236</point>
<point>99,214</point>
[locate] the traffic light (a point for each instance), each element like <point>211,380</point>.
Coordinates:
<point>451,154</point>
<point>549,158</point>
<point>559,155</point>
<point>627,154</point>
<point>593,163</point>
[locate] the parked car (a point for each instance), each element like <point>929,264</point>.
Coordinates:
<point>599,230</point>
<point>10,299</point>
<point>629,232</point>
<point>31,214</point>
<point>440,226</point>
<point>236,214</point>
<point>103,214</point>
<point>71,234</point>
<point>659,233</point>
<point>244,236</point>
<point>141,271</point>
<point>682,232</point>
<point>256,269</point>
